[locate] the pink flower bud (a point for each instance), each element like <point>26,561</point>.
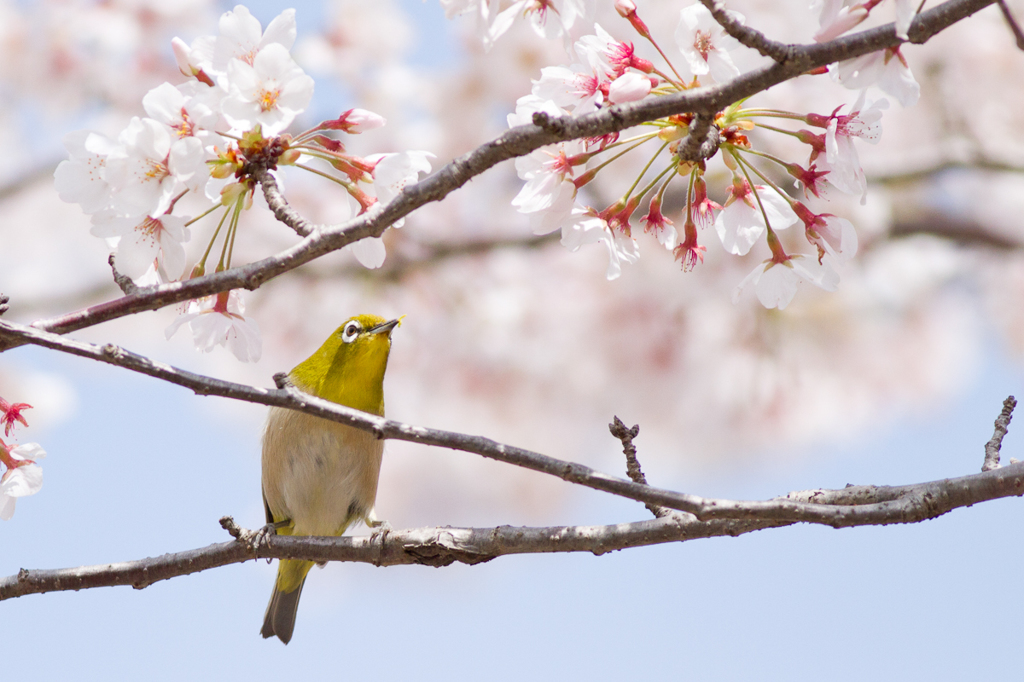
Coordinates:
<point>355,121</point>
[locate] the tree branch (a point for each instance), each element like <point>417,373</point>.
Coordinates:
<point>518,141</point>
<point>910,503</point>
<point>279,205</point>
<point>444,546</point>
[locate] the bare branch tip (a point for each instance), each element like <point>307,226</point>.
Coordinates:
<point>619,430</point>
<point>228,524</point>
<point>124,283</point>
<point>1002,425</point>
<point>1011,21</point>
<point>626,436</point>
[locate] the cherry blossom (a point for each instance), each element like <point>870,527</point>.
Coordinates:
<point>550,19</point>
<point>887,69</point>
<point>370,251</point>
<point>830,233</point>
<point>841,157</point>
<point>23,476</point>
<point>604,54</point>
<point>242,37</point>
<point>603,74</point>
<point>775,282</point>
<point>270,92</point>
<point>12,413</point>
<point>548,173</point>
<point>706,45</point>
<point>147,171</point>
<point>482,12</point>
<point>585,227</point>
<point>703,208</point>
<point>837,17</point>
<point>355,121</point>
<point>189,111</point>
<point>629,87</point>
<point>656,223</point>
<point>837,20</point>
<point>219,320</point>
<point>549,193</point>
<point>392,172</point>
<point>82,178</point>
<point>689,251</point>
<point>906,10</point>
<point>741,222</point>
<point>194,59</point>
<point>569,87</point>
<point>143,243</point>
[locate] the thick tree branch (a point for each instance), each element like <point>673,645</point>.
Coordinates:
<point>426,546</point>
<point>323,239</point>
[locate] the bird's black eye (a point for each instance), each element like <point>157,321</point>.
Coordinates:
<point>351,331</point>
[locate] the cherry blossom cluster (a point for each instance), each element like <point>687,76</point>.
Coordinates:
<point>205,137</point>
<point>22,476</point>
<point>754,206</point>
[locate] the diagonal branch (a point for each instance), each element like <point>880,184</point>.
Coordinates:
<point>426,546</point>
<point>518,141</point>
<point>903,504</point>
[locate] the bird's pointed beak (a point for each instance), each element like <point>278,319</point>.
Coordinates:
<point>385,327</point>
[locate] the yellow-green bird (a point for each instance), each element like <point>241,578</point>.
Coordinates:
<point>320,476</point>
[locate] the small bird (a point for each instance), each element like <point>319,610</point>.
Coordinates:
<point>319,476</point>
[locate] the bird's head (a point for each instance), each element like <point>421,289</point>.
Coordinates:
<point>349,367</point>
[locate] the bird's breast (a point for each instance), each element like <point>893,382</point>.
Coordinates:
<point>320,474</point>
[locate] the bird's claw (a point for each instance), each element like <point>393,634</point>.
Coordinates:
<point>259,538</point>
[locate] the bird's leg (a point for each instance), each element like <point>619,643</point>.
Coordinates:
<point>380,532</point>
<point>259,538</point>
<point>379,525</point>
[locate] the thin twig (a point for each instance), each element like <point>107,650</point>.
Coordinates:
<point>279,205</point>
<point>747,36</point>
<point>124,283</point>
<point>1002,425</point>
<point>626,436</point>
<point>1012,22</point>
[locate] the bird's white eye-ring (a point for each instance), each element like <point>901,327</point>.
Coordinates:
<point>351,331</point>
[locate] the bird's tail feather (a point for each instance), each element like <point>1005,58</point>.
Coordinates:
<point>284,602</point>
